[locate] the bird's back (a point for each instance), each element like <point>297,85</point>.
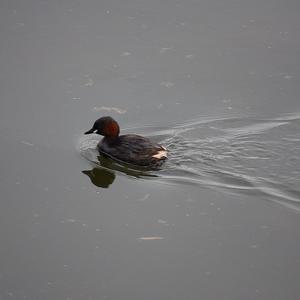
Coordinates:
<point>133,149</point>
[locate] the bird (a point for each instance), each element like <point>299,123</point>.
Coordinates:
<point>132,149</point>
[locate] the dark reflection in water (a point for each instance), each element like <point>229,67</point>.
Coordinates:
<point>103,174</point>
<point>100,177</point>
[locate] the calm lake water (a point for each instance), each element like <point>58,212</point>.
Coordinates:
<point>217,83</point>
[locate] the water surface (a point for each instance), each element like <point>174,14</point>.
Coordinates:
<point>217,82</point>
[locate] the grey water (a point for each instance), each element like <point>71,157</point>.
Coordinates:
<point>217,83</point>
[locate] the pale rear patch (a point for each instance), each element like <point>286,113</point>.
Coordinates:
<point>161,154</point>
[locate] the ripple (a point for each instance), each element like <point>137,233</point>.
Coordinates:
<point>248,155</point>
<point>253,156</point>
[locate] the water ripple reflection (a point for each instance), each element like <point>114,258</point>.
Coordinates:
<point>260,157</point>
<point>254,156</point>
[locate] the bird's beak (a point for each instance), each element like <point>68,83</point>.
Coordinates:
<point>92,130</point>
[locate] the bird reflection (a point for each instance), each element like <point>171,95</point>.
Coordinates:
<point>100,177</point>
<point>103,175</point>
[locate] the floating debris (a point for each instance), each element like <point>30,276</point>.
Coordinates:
<point>27,143</point>
<point>144,197</point>
<point>90,82</point>
<point>160,221</point>
<point>125,54</point>
<point>190,56</point>
<point>71,220</point>
<point>167,84</point>
<point>151,238</point>
<point>114,109</point>
<point>163,50</point>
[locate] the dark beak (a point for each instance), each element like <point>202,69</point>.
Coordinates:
<point>90,131</point>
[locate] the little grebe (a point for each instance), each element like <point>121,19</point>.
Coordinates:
<point>130,148</point>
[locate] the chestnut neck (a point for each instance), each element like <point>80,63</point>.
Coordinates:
<point>111,129</point>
